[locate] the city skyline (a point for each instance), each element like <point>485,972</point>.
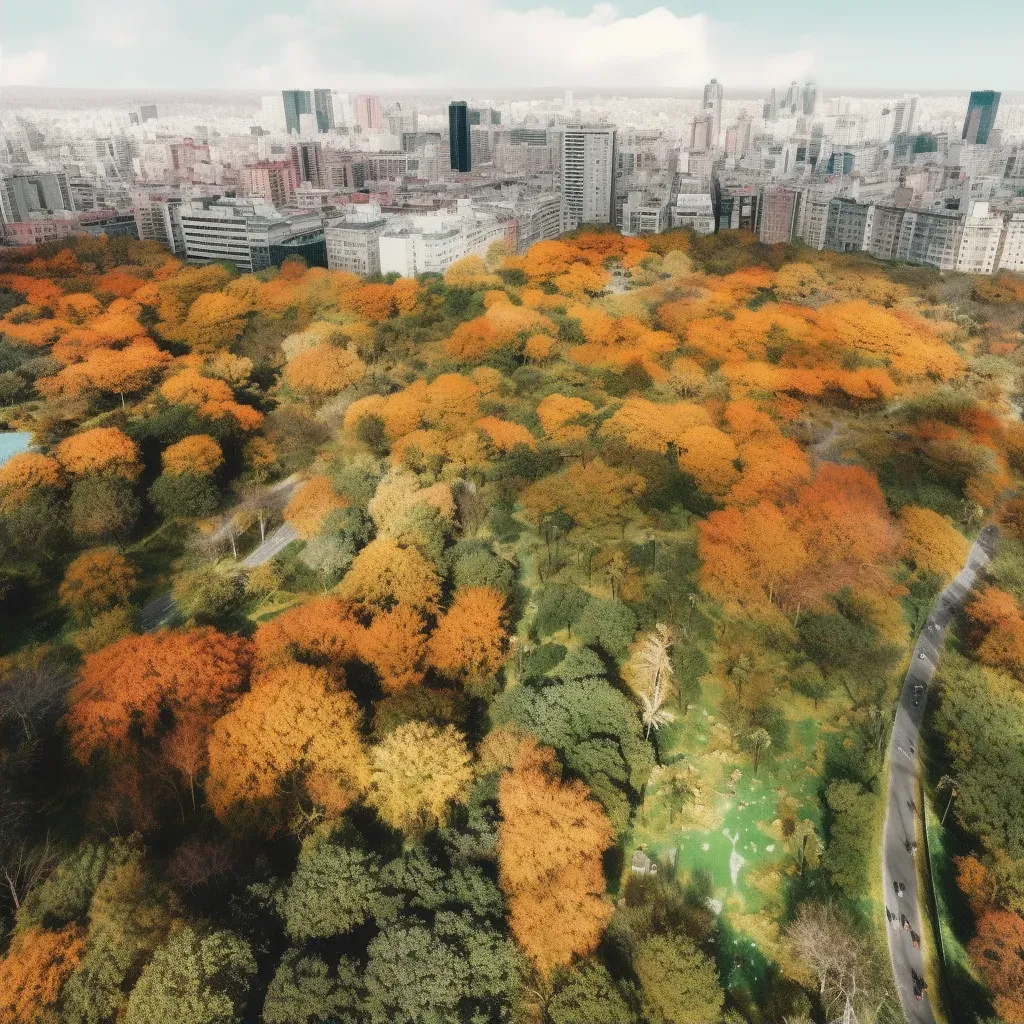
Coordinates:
<point>399,46</point>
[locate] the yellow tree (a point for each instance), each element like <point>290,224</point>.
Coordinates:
<point>95,581</point>
<point>417,772</point>
<point>386,572</point>
<point>469,640</point>
<point>197,453</point>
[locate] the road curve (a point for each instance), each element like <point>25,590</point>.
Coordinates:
<point>901,809</point>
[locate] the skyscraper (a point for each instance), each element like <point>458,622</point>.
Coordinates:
<point>905,116</point>
<point>981,116</point>
<point>323,106</point>
<point>810,99</point>
<point>713,106</point>
<point>296,102</point>
<point>771,108</point>
<point>588,175</point>
<point>369,116</point>
<point>458,136</point>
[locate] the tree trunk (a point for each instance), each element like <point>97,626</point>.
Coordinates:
<point>949,804</point>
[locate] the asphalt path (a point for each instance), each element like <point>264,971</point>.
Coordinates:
<point>898,857</point>
<point>161,609</point>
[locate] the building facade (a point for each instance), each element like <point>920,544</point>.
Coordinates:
<point>588,175</point>
<point>353,240</point>
<point>981,117</point>
<point>459,146</point>
<point>296,103</point>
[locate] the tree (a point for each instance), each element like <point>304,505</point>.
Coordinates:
<point>652,670</point>
<point>594,495</point>
<point>194,978</point>
<point>589,995</point>
<point>214,321</point>
<point>608,626</point>
<point>305,991</point>
<point>97,580</point>
<point>322,632</point>
<point>103,508</point>
<point>550,843</point>
<point>33,971</point>
<point>100,450</point>
<point>760,741</point>
<point>846,856</point>
<point>416,773</point>
<point>184,495</point>
<point>998,952</point>
<point>949,783</point>
<point>206,595</point>
<point>21,474</point>
<point>198,454</point>
<point>678,983</point>
<point>334,889</point>
<point>292,723</point>
<point>395,644</point>
<point>469,639</point>
<point>313,502</point>
<point>133,687</point>
<point>933,543</point>
<point>412,978</point>
<point>323,371</point>
<point>386,572</point>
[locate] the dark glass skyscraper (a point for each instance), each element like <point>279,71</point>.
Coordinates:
<point>981,116</point>
<point>296,102</point>
<point>458,136</point>
<point>323,105</point>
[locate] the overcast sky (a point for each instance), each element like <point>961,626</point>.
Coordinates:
<point>439,44</point>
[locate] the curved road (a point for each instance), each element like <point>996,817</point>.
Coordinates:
<point>901,810</point>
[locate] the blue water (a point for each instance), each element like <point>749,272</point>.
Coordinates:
<point>11,443</point>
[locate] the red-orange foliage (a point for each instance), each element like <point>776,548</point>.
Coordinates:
<point>100,450</point>
<point>998,953</point>
<point>550,843</point>
<point>374,301</point>
<point>132,684</point>
<point>324,370</point>
<point>36,966</point>
<point>22,473</point>
<point>999,629</point>
<point>197,453</point>
<point>95,581</point>
<point>106,370</point>
<point>504,434</point>
<point>975,882</point>
<point>470,637</point>
<point>313,502</point>
<point>322,631</point>
<point>395,644</point>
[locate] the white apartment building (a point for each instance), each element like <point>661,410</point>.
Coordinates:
<point>432,242</point>
<point>353,240</point>
<point>644,213</point>
<point>979,240</point>
<point>158,217</point>
<point>694,210</point>
<point>588,175</point>
<point>1012,255</point>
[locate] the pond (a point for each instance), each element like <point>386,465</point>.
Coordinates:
<point>11,443</point>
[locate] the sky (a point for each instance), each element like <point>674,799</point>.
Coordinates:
<point>382,45</point>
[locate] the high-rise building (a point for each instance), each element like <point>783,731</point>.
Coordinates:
<point>810,98</point>
<point>981,116</point>
<point>296,103</point>
<point>771,107</point>
<point>458,136</point>
<point>272,180</point>
<point>158,217</point>
<point>588,175</point>
<point>702,133</point>
<point>353,240</point>
<point>713,106</point>
<point>368,113</point>
<point>307,160</point>
<point>794,98</point>
<point>905,116</point>
<point>23,194</point>
<point>778,214</point>
<point>323,107</point>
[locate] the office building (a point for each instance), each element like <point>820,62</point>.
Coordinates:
<point>693,210</point>
<point>250,233</point>
<point>905,116</point>
<point>353,239</point>
<point>713,106</point>
<point>771,107</point>
<point>307,160</point>
<point>296,103</point>
<point>810,99</point>
<point>23,194</point>
<point>484,116</point>
<point>981,117</point>
<point>272,180</point>
<point>736,207</point>
<point>459,143</point>
<point>645,212</point>
<point>588,175</point>
<point>323,108</point>
<point>702,133</point>
<point>369,116</point>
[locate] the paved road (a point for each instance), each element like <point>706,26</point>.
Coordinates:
<point>161,609</point>
<point>901,811</point>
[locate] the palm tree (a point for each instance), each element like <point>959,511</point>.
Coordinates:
<point>654,668</point>
<point>953,785</point>
<point>761,741</point>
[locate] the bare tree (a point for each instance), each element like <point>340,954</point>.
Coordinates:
<point>653,666</point>
<point>30,693</point>
<point>23,866</point>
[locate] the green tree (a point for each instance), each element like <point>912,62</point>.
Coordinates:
<point>559,606</point>
<point>589,995</point>
<point>103,508</point>
<point>847,856</point>
<point>678,984</point>
<point>333,890</point>
<point>206,594</point>
<point>304,990</point>
<point>607,625</point>
<point>184,496</point>
<point>193,979</point>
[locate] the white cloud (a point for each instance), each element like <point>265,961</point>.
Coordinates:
<point>28,68</point>
<point>406,44</point>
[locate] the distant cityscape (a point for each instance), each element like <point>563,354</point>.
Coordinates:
<point>410,185</point>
